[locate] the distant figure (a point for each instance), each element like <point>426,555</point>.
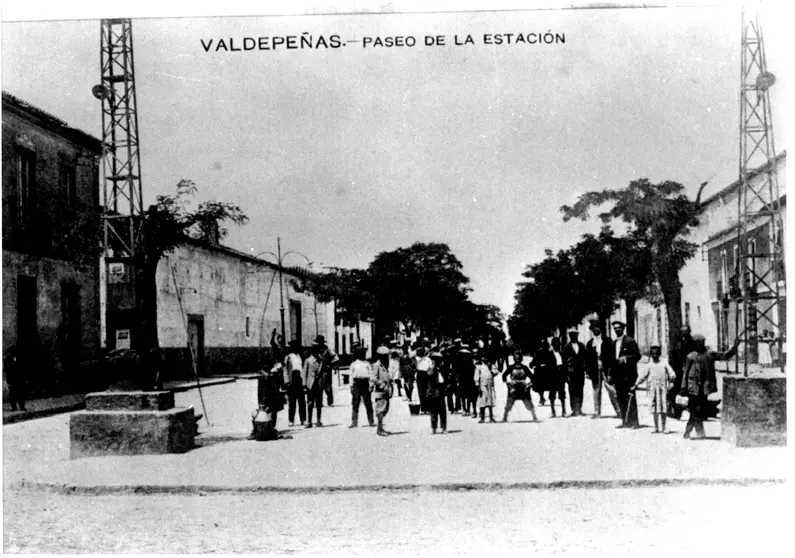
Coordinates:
<point>313,384</point>
<point>518,378</point>
<point>394,365</point>
<point>542,364</point>
<point>15,379</point>
<point>557,378</point>
<point>484,383</point>
<point>293,368</point>
<point>684,347</point>
<point>277,346</point>
<point>381,386</point>
<point>360,386</point>
<point>624,373</point>
<point>574,358</point>
<point>327,359</point>
<point>421,365</point>
<point>699,381</point>
<point>407,369</point>
<point>434,397</point>
<point>764,343</point>
<point>661,377</point>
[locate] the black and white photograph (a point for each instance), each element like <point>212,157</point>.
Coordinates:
<point>376,278</point>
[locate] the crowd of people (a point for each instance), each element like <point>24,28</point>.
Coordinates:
<point>456,377</point>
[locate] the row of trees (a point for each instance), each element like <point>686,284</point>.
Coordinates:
<point>421,286</point>
<point>594,274</point>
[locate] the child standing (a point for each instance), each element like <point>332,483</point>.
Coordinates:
<point>661,377</point>
<point>484,382</point>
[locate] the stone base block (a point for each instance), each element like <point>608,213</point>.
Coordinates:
<point>97,433</point>
<point>130,401</point>
<point>753,435</point>
<point>754,411</point>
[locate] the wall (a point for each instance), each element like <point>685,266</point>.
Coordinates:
<point>238,299</point>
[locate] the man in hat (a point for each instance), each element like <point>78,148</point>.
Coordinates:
<point>599,352</point>
<point>684,346</point>
<point>624,374</point>
<point>293,368</point>
<point>574,360</point>
<point>381,386</point>
<point>327,360</point>
<point>360,386</point>
<point>313,384</point>
<point>698,381</point>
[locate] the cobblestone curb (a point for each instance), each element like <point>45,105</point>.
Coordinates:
<point>447,487</point>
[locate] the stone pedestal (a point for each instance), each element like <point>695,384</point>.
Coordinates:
<point>754,411</point>
<point>131,423</point>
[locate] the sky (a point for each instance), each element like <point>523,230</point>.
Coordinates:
<point>345,153</point>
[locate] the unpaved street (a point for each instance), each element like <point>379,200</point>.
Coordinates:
<point>724,521</point>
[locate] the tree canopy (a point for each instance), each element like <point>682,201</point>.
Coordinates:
<point>660,216</point>
<point>421,286</point>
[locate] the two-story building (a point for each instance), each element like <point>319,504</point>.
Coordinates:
<point>51,219</point>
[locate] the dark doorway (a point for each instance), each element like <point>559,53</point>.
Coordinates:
<point>295,320</point>
<point>196,342</point>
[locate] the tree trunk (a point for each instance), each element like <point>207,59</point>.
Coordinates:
<point>630,304</point>
<point>672,295</point>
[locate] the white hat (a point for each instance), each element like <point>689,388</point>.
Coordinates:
<point>382,350</point>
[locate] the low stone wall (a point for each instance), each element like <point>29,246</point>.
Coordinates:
<point>131,423</point>
<point>754,410</point>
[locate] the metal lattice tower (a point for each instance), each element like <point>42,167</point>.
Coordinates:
<point>121,164</point>
<point>759,284</point>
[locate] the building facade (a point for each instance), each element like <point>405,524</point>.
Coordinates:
<point>51,219</point>
<point>223,306</point>
<point>710,276</point>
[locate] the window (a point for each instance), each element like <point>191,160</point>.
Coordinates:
<point>724,270</point>
<point>698,312</point>
<point>248,326</point>
<point>26,185</point>
<point>687,314</point>
<point>68,186</point>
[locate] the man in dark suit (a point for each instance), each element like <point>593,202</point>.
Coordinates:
<point>624,373</point>
<point>574,360</point>
<point>599,352</point>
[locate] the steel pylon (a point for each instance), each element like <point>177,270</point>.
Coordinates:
<point>760,273</point>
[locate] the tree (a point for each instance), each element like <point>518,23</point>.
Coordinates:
<point>165,225</point>
<point>554,296</point>
<point>614,268</point>
<point>660,217</point>
<point>421,286</point>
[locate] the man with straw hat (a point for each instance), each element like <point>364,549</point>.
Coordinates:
<point>381,386</point>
